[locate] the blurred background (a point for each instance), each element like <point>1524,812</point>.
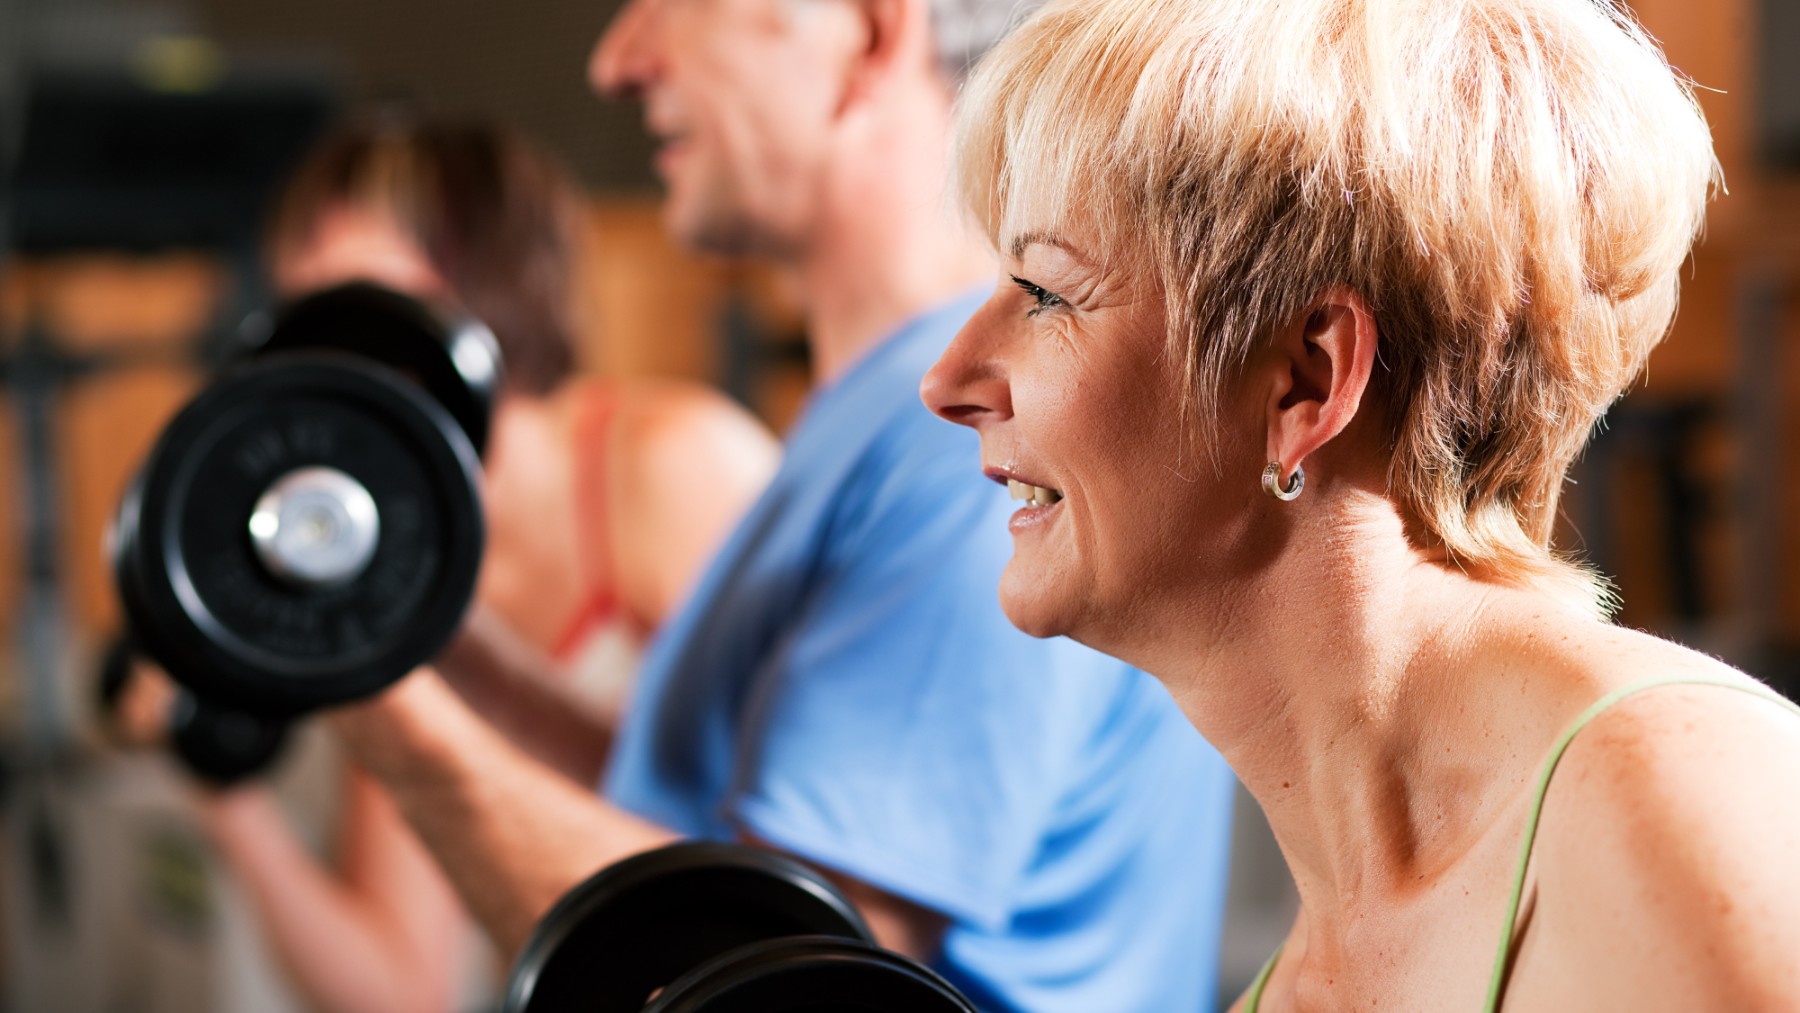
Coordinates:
<point>139,142</point>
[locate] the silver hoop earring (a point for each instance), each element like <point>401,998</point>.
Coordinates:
<point>1271,482</point>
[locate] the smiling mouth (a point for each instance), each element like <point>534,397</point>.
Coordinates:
<point>1033,495</point>
<point>665,131</point>
<point>669,151</point>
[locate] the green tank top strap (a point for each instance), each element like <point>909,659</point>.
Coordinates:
<point>1503,959</point>
<point>1253,999</point>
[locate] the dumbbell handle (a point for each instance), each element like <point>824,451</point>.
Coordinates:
<point>217,744</point>
<point>222,746</point>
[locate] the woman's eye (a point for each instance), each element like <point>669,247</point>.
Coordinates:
<point>1043,297</point>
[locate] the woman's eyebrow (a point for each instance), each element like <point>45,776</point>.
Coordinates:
<point>1025,239</point>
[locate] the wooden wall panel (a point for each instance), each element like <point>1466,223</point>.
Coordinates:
<point>127,310</point>
<point>106,424</point>
<point>651,309</point>
<point>1752,237</point>
<point>107,303</point>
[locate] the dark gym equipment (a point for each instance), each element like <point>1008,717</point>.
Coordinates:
<point>217,745</point>
<point>712,927</point>
<point>108,162</point>
<point>810,974</point>
<point>639,924</point>
<point>298,535</point>
<point>308,529</point>
<point>1777,107</point>
<point>115,674</point>
<point>222,746</point>
<point>453,358</point>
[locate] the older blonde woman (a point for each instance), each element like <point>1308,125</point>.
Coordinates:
<point>1311,303</point>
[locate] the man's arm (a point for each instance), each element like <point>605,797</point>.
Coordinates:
<point>511,834</point>
<point>683,463</point>
<point>515,687</point>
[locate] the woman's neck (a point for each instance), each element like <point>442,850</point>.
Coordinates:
<point>1361,706</point>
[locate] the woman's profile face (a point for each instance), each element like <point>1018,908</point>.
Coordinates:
<point>1065,374</point>
<point>347,244</point>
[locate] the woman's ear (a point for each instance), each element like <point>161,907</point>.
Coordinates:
<point>1318,370</point>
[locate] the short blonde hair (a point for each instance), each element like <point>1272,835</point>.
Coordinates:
<point>1513,185</point>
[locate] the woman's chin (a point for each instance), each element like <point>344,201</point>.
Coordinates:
<point>1031,608</point>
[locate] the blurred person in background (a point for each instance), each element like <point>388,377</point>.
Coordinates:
<point>1034,820</point>
<point>603,499</point>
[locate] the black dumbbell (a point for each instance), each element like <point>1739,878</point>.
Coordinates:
<point>810,974</point>
<point>707,928</point>
<point>308,529</point>
<point>218,745</point>
<point>223,746</point>
<point>451,356</point>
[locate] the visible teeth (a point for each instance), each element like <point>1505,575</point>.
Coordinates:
<point>1035,496</point>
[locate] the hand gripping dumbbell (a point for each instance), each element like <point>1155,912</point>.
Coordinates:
<point>714,928</point>
<point>308,529</point>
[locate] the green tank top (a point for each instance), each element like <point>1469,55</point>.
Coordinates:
<point>1502,959</point>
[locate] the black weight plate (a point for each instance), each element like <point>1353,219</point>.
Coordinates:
<point>810,974</point>
<point>639,924</point>
<point>223,746</point>
<point>454,358</point>
<point>203,605</point>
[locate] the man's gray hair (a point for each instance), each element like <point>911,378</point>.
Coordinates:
<point>964,30</point>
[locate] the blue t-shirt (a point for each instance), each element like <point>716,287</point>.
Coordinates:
<point>843,685</point>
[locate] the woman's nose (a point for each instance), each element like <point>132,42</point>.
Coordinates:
<point>968,385</point>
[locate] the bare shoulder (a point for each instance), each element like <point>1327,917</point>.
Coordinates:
<point>1702,700</point>
<point>681,436</point>
<point>1666,858</point>
<point>669,409</point>
<point>685,462</point>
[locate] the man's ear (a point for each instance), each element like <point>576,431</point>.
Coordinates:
<point>896,41</point>
<point>1318,371</point>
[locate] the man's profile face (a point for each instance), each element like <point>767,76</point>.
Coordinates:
<point>740,96</point>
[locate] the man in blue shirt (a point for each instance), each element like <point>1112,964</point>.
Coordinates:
<point>1037,821</point>
<point>843,686</point>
